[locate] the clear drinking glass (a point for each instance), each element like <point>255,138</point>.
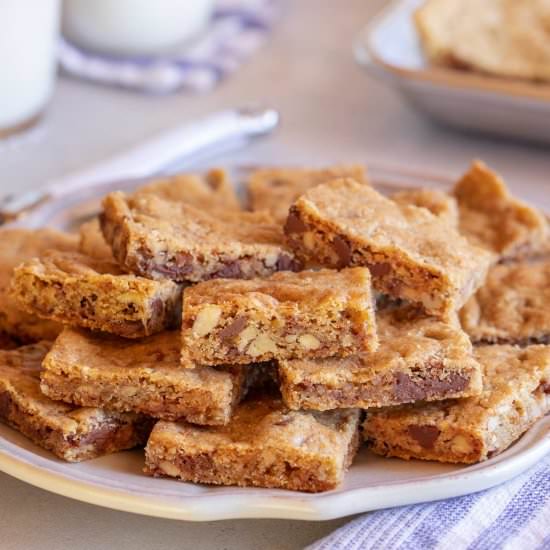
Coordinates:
<point>28,43</point>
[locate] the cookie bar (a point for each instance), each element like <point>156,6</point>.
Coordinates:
<point>275,189</point>
<point>211,191</point>
<point>91,241</point>
<point>75,289</point>
<point>264,445</point>
<point>71,433</point>
<point>496,37</point>
<point>170,240</point>
<point>16,246</point>
<point>490,217</point>
<point>417,359</point>
<point>289,315</point>
<point>412,255</point>
<point>438,202</point>
<point>513,306</point>
<point>516,393</point>
<point>99,370</point>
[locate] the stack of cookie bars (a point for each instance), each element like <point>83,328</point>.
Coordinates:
<point>262,347</point>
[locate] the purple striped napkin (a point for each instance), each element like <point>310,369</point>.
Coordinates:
<point>236,31</point>
<point>512,516</point>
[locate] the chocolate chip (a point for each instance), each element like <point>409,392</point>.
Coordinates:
<point>544,387</point>
<point>379,270</point>
<point>231,270</point>
<point>294,224</point>
<point>157,307</point>
<point>407,390</point>
<point>5,402</point>
<point>343,250</point>
<point>287,263</point>
<point>426,436</point>
<point>234,328</point>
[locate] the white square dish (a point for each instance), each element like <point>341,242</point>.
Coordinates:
<point>389,49</point>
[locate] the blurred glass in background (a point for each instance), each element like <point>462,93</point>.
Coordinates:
<point>28,43</point>
<point>133,27</point>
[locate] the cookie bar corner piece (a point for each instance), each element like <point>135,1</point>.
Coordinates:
<point>71,433</point>
<point>411,253</point>
<point>288,315</point>
<point>275,189</point>
<point>516,393</point>
<point>512,307</point>
<point>264,445</point>
<point>75,289</point>
<point>492,218</point>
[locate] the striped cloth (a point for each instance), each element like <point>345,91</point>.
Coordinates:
<point>512,516</point>
<point>237,29</point>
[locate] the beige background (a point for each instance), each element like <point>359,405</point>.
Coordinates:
<point>331,112</point>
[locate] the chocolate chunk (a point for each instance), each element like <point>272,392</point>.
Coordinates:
<point>294,224</point>
<point>99,437</point>
<point>425,435</point>
<point>343,250</point>
<point>157,307</point>
<point>234,328</point>
<point>231,270</point>
<point>407,390</point>
<point>5,402</point>
<point>544,387</point>
<point>379,270</point>
<point>287,263</point>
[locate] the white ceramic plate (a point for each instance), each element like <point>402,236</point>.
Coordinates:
<point>372,482</point>
<point>389,49</point>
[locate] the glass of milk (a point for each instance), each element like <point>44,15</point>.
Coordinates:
<point>133,27</point>
<point>28,44</point>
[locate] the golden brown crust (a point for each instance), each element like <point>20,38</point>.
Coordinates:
<point>16,246</point>
<point>71,433</point>
<point>275,189</point>
<point>513,306</point>
<point>210,192</point>
<point>264,445</point>
<point>490,217</point>
<point>92,243</point>
<point>289,315</point>
<point>516,393</point>
<point>411,253</point>
<point>144,376</point>
<point>418,358</point>
<point>71,288</point>
<point>438,202</point>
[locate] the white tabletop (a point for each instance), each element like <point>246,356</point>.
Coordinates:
<point>331,112</point>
